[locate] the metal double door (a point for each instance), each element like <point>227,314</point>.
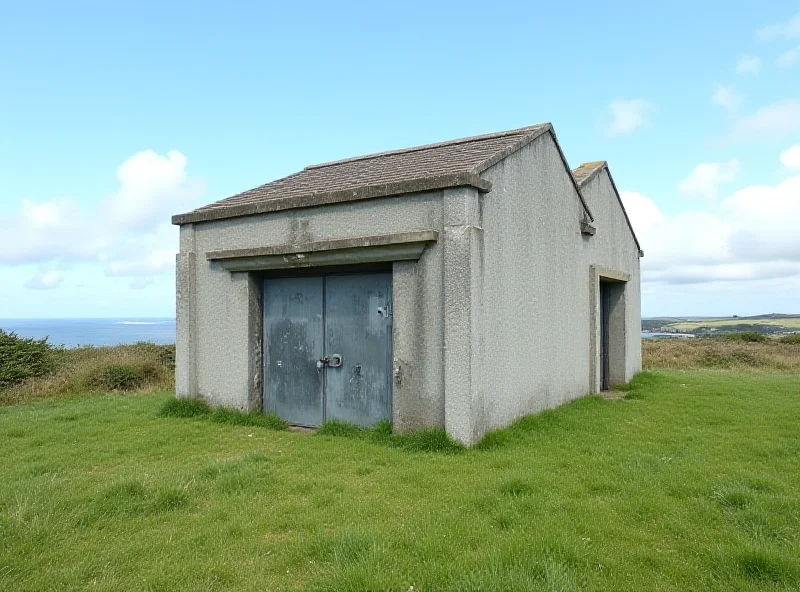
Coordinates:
<point>328,348</point>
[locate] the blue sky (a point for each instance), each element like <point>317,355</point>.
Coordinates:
<point>115,115</point>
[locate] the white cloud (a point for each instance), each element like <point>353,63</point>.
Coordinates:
<point>642,212</point>
<point>779,118</point>
<point>152,187</point>
<point>786,30</point>
<point>726,97</point>
<point>749,236</point>
<point>44,280</point>
<point>790,158</point>
<point>628,116</point>
<point>706,178</point>
<point>789,58</point>
<point>128,233</point>
<point>156,262</point>
<point>748,65</point>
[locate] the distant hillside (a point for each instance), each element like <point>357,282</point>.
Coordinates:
<point>768,324</point>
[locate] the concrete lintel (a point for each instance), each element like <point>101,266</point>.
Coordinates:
<point>405,246</point>
<point>611,274</point>
<point>222,211</point>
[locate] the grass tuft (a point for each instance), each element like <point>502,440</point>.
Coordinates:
<point>426,440</point>
<point>255,419</point>
<point>184,408</point>
<point>762,566</point>
<point>342,429</point>
<point>515,488</point>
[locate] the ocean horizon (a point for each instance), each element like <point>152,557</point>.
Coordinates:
<point>95,332</point>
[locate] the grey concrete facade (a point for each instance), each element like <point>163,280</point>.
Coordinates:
<point>495,312</point>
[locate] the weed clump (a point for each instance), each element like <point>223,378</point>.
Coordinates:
<point>116,377</point>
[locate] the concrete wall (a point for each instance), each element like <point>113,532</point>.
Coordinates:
<point>613,247</point>
<point>536,292</point>
<point>538,279</point>
<point>216,313</point>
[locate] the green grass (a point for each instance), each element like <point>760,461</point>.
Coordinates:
<point>173,407</point>
<point>690,483</point>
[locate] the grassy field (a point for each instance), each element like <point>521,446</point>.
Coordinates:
<point>763,323</point>
<point>692,482</point>
<point>142,367</point>
<point>789,323</point>
<point>769,356</point>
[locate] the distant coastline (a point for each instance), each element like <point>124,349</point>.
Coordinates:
<point>95,332</point>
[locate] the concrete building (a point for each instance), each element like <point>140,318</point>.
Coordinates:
<point>460,284</point>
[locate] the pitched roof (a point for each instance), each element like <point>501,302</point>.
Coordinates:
<point>422,168</point>
<point>584,173</point>
<point>588,171</point>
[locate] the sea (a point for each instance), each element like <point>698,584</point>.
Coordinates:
<point>97,332</point>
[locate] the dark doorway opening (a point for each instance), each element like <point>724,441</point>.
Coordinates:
<point>605,325</point>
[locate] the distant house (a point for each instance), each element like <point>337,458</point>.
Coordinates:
<point>459,284</point>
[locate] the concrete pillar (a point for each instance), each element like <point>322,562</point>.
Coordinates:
<point>255,332</point>
<point>463,337</point>
<point>186,315</point>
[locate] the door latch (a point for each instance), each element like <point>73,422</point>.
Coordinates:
<point>335,361</point>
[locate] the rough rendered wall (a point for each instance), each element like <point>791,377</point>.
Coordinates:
<point>222,299</point>
<point>536,288</point>
<point>613,247</point>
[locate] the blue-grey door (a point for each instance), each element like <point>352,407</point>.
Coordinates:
<point>293,343</point>
<point>328,348</point>
<point>358,329</point>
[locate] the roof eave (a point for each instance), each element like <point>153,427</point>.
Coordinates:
<point>333,197</point>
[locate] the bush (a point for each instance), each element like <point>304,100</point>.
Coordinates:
<point>117,377</point>
<point>746,337</point>
<point>793,339</point>
<point>22,358</point>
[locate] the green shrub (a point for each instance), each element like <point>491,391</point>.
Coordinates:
<point>117,377</point>
<point>746,337</point>
<point>22,358</point>
<point>793,339</point>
